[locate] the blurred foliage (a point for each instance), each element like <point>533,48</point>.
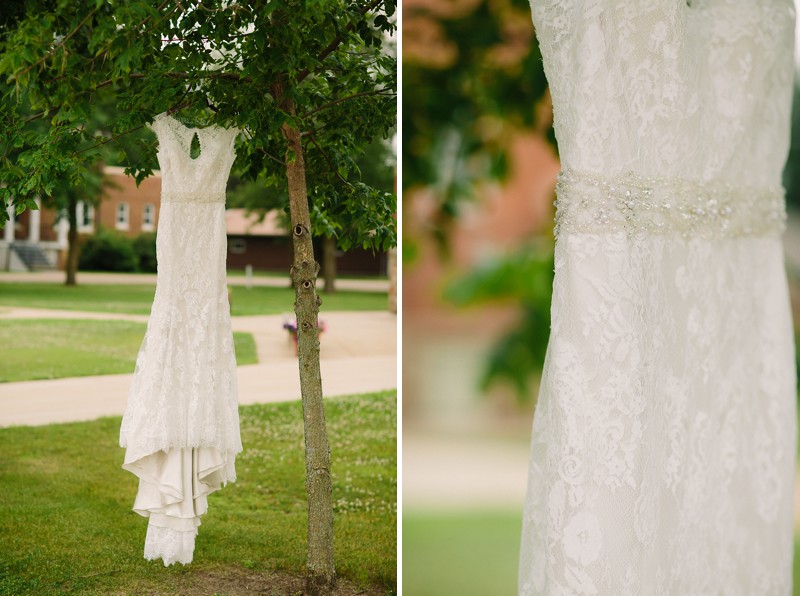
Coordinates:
<point>524,277</point>
<point>791,174</point>
<point>145,247</point>
<point>266,67</point>
<point>472,75</point>
<point>376,168</point>
<point>108,250</point>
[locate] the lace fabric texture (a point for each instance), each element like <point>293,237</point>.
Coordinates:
<point>663,449</point>
<point>181,425</point>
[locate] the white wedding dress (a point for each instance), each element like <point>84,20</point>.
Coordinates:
<point>663,450</point>
<point>181,424</point>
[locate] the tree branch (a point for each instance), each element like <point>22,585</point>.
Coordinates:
<point>174,108</point>
<point>272,157</point>
<point>110,139</point>
<point>330,163</point>
<point>342,99</point>
<point>337,41</point>
<point>180,75</point>
<point>61,43</point>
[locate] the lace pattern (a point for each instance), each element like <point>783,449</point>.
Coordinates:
<point>171,546</point>
<point>181,424</point>
<point>663,445</point>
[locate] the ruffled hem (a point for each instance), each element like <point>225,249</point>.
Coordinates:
<point>173,490</point>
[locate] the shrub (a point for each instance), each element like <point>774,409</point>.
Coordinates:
<point>145,247</point>
<point>108,251</point>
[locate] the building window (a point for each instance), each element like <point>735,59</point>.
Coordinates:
<point>148,217</point>
<point>238,246</point>
<point>85,216</point>
<point>123,216</point>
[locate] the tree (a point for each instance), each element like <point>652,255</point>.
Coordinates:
<point>305,79</point>
<point>70,186</point>
<point>377,171</point>
<point>65,199</point>
<point>473,76</point>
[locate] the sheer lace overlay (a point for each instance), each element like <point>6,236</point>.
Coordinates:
<point>663,449</point>
<point>181,424</point>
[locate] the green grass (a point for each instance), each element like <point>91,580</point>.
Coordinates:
<point>66,523</point>
<point>268,301</point>
<point>796,569</point>
<point>469,554</point>
<point>137,299</point>
<point>285,275</point>
<point>33,349</point>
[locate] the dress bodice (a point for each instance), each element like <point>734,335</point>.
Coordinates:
<point>634,83</point>
<point>193,180</point>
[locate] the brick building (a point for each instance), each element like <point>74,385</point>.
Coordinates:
<point>38,239</point>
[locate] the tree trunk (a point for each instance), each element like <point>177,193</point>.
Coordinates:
<point>72,241</point>
<point>321,577</point>
<point>329,264</point>
<point>392,266</point>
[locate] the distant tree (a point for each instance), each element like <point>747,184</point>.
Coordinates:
<point>256,196</point>
<point>305,79</point>
<point>472,78</point>
<point>791,174</point>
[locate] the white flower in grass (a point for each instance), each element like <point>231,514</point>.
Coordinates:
<point>582,538</point>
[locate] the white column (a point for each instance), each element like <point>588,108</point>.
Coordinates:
<point>8,231</point>
<point>34,222</point>
<point>62,227</point>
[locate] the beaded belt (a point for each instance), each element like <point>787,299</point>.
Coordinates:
<point>592,203</point>
<point>172,196</point>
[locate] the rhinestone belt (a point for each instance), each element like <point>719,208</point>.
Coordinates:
<point>630,203</point>
<point>172,196</point>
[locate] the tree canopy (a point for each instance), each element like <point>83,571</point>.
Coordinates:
<point>317,66</point>
<point>472,75</point>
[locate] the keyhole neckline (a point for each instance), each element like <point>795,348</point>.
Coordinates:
<point>183,133</point>
<point>192,156</point>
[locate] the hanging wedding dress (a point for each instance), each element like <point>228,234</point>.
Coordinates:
<point>181,425</point>
<point>663,450</point>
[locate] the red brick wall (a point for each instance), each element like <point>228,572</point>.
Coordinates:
<point>123,188</point>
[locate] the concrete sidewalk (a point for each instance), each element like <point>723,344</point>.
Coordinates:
<point>358,354</point>
<point>95,278</point>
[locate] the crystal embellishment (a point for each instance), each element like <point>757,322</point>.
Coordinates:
<point>591,203</point>
<point>192,197</point>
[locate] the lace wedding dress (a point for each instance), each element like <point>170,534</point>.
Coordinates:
<point>181,424</point>
<point>663,450</point>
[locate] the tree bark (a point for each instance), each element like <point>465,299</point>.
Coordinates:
<point>329,264</point>
<point>321,578</point>
<point>71,265</point>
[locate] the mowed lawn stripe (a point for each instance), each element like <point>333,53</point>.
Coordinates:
<point>34,349</point>
<point>137,299</point>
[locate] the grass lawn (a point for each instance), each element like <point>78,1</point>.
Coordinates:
<point>66,523</point>
<point>33,349</point>
<point>285,275</point>
<point>469,553</point>
<point>137,299</point>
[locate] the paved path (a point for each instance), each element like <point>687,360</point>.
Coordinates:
<point>448,473</point>
<point>90,278</point>
<point>358,354</point>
